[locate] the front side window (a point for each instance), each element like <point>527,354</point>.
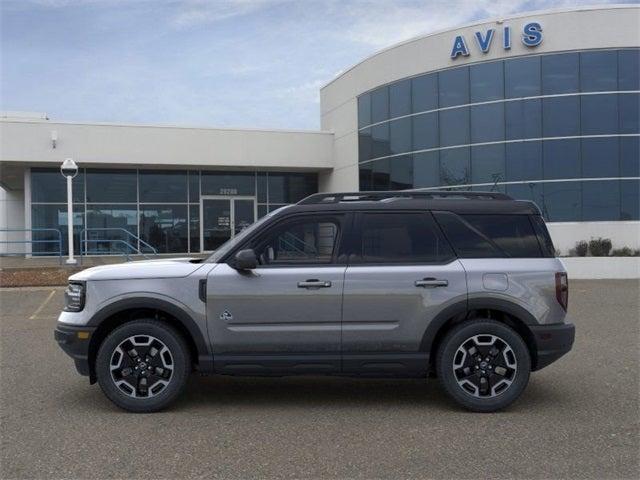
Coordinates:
<point>401,238</point>
<point>304,241</point>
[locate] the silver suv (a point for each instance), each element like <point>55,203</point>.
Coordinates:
<point>464,286</point>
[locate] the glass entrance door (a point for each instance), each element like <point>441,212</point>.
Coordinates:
<point>224,217</point>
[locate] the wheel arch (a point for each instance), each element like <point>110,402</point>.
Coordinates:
<point>130,309</point>
<point>506,312</point>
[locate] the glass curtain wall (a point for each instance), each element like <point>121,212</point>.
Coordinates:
<point>161,207</point>
<point>559,129</point>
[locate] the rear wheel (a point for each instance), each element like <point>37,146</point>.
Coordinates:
<point>483,365</point>
<point>142,366</point>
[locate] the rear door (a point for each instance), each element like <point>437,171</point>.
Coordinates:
<point>401,274</point>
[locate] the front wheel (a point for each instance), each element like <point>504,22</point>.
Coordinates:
<point>483,365</point>
<point>142,366</point>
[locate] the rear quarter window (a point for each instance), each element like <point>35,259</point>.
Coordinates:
<point>487,236</point>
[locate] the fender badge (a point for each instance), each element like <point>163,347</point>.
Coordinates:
<point>226,316</point>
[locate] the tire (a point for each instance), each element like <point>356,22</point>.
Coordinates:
<point>461,368</point>
<point>143,366</point>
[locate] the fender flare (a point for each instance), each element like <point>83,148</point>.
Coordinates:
<point>205,359</point>
<point>463,307</point>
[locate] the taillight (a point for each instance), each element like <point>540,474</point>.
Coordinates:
<point>562,289</point>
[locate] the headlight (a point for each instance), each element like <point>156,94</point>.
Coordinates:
<point>74,297</point>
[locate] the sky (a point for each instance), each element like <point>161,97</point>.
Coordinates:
<point>218,63</point>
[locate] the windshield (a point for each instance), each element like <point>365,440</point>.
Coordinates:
<point>230,244</point>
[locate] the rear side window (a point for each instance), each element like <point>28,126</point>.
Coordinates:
<point>486,236</point>
<point>548,250</point>
<point>401,238</point>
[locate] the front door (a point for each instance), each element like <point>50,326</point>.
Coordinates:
<point>286,314</point>
<point>224,217</point>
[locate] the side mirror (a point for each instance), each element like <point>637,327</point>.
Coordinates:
<point>245,260</point>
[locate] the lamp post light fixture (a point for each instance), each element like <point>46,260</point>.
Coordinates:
<point>69,169</point>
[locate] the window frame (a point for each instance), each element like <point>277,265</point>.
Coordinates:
<point>355,239</point>
<point>341,219</point>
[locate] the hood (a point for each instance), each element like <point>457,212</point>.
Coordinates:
<point>163,268</point>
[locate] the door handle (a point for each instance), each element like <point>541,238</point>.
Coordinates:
<point>431,283</point>
<point>313,283</point>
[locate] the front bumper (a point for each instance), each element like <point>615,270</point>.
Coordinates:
<point>75,343</point>
<point>552,342</point>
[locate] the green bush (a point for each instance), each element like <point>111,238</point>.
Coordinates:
<point>625,252</point>
<point>580,250</point>
<point>600,247</point>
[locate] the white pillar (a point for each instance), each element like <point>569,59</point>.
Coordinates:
<point>71,260</point>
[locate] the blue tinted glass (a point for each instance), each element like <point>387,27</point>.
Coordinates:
<point>54,217</point>
<point>630,156</point>
<point>364,110</point>
<point>400,135</point>
<point>600,157</point>
<point>425,131</point>
<point>194,227</point>
<point>523,119</point>
<point>561,116</point>
<point>600,201</point>
<point>454,127</point>
<point>599,71</point>
<point>424,91</point>
<point>117,219</point>
<point>380,140</point>
<point>487,164</point>
<point>487,123</point>
<point>194,186</point>
<point>117,186</point>
<point>291,187</point>
<point>163,186</point>
<point>401,175</point>
<point>454,166</point>
<point>165,227</point>
<point>454,87</point>
<point>262,187</point>
<point>48,185</point>
<point>380,104</point>
<point>560,73</point>
<point>400,98</point>
<point>365,177</point>
<point>522,77</point>
<point>629,113</point>
<point>365,145</point>
<point>561,159</point>
<point>629,70</point>
<point>426,169</point>
<point>629,200</point>
<point>526,191</point>
<point>599,114</point>
<point>524,161</point>
<point>562,202</point>
<point>380,174</point>
<point>487,81</point>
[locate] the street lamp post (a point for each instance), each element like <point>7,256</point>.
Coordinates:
<point>69,169</point>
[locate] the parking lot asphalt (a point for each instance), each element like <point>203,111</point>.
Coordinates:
<point>578,418</point>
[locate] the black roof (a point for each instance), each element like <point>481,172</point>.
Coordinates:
<point>418,199</point>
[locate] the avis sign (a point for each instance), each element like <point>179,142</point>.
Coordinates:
<point>531,37</point>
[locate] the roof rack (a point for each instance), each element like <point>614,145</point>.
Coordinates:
<point>415,193</point>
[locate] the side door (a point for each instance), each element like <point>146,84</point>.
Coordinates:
<point>285,315</point>
<point>401,274</point>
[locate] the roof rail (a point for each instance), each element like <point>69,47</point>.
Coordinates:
<point>415,193</point>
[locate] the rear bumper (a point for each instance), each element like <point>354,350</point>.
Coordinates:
<point>74,341</point>
<point>552,342</point>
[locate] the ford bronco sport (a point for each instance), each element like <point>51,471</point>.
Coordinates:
<point>461,285</point>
